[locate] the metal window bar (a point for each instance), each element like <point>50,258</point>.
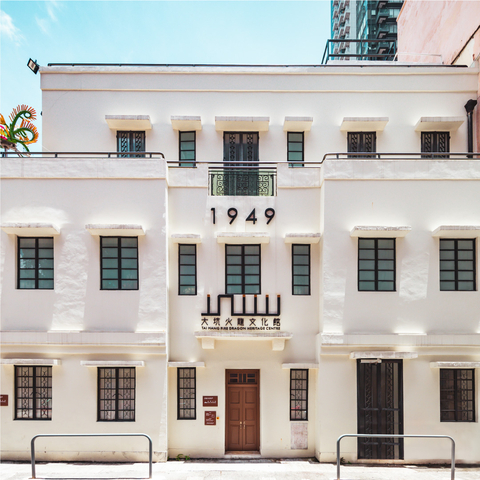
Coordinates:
<point>187,269</point>
<point>132,141</point>
<point>35,263</point>
<point>242,269</point>
<point>366,435</point>
<point>116,394</point>
<point>186,393</point>
<point>187,144</point>
<point>457,264</point>
<point>119,263</point>
<point>457,395</point>
<point>300,269</point>
<point>298,394</point>
<point>436,143</point>
<point>46,435</point>
<point>248,180</point>
<point>295,149</point>
<point>376,264</point>
<point>33,392</point>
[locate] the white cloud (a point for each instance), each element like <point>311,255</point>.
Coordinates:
<point>8,29</point>
<point>52,5</point>
<point>42,24</point>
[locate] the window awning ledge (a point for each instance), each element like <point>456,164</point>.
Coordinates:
<point>277,338</point>
<point>116,229</point>
<point>302,237</point>
<point>454,364</point>
<point>185,364</point>
<point>186,123</point>
<point>379,231</point>
<point>242,124</point>
<point>383,355</point>
<point>129,122</point>
<point>300,365</point>
<point>457,231</point>
<point>363,124</point>
<point>186,238</point>
<point>242,237</point>
<point>30,229</point>
<point>442,124</point>
<point>30,361</point>
<point>297,124</point>
<point>112,363</point>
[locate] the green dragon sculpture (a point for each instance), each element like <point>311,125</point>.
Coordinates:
<point>24,134</point>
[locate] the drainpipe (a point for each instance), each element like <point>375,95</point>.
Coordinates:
<point>469,106</point>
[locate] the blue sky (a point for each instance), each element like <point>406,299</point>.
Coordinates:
<point>241,32</point>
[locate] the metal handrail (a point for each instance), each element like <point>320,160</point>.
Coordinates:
<point>332,41</point>
<point>372,435</point>
<point>150,445</point>
<point>107,154</point>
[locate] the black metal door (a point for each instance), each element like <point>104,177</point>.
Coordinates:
<point>380,408</point>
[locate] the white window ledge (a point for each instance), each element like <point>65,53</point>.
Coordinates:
<point>457,231</point>
<point>30,361</point>
<point>300,365</point>
<point>454,364</point>
<point>442,124</point>
<point>185,364</point>
<point>242,124</point>
<point>30,229</point>
<point>116,229</point>
<point>129,122</point>
<point>302,237</point>
<point>297,124</point>
<point>379,231</point>
<point>186,123</point>
<point>277,338</point>
<point>112,363</point>
<point>242,237</point>
<point>186,238</point>
<point>363,124</point>
<point>383,355</point>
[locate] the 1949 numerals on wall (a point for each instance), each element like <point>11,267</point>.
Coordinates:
<point>232,213</point>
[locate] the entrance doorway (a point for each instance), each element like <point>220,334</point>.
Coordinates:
<point>380,408</point>
<point>242,411</point>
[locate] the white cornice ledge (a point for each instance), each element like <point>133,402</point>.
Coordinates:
<point>185,364</point>
<point>363,124</point>
<point>444,124</point>
<point>114,229</point>
<point>379,231</point>
<point>208,338</point>
<point>457,231</point>
<point>387,355</point>
<point>297,124</point>
<point>30,229</point>
<point>129,122</point>
<point>186,122</point>
<point>302,237</point>
<point>300,365</point>
<point>242,237</point>
<point>242,124</point>
<point>454,364</point>
<point>112,363</point>
<point>186,238</point>
<point>30,361</point>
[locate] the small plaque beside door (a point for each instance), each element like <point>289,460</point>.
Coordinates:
<point>210,401</point>
<point>211,418</point>
<point>3,400</point>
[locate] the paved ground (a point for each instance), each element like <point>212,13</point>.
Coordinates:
<point>222,470</point>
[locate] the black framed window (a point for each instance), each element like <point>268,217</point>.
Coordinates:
<point>116,394</point>
<point>35,263</point>
<point>242,269</point>
<point>435,142</point>
<point>33,392</point>
<point>130,142</point>
<point>187,269</point>
<point>295,148</point>
<point>362,142</point>
<point>457,264</point>
<point>457,395</point>
<point>300,269</point>
<point>119,263</point>
<point>187,143</point>
<point>298,394</point>
<point>376,264</point>
<point>186,394</point>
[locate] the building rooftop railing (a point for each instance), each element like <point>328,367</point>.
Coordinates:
<point>84,154</point>
<point>380,49</point>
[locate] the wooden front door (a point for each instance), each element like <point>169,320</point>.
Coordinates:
<point>243,413</point>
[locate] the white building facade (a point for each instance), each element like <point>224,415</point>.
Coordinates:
<point>244,292</point>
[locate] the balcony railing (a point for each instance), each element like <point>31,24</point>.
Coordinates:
<point>247,181</point>
<point>365,50</point>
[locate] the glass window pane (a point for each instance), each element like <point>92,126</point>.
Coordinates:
<point>23,263</point>
<point>109,242</point>
<point>386,254</point>
<point>366,286</point>
<point>27,273</point>
<point>465,244</point>
<point>447,244</point>
<point>386,243</point>
<point>129,274</point>
<point>187,249</point>
<point>235,270</point>
<point>110,273</point>
<point>45,242</point>
<point>385,286</point>
<point>302,260</point>
<point>301,249</point>
<point>45,274</point>
<point>386,275</point>
<point>110,284</point>
<point>187,270</point>
<point>366,254</point>
<point>46,284</point>
<point>234,260</point>
<point>295,147</point>
<point>129,253</point>
<point>252,250</point>
<point>447,285</point>
<point>187,280</point>
<point>301,280</point>
<point>300,270</point>
<point>45,263</point>
<point>295,137</point>
<point>462,275</point>
<point>366,265</point>
<point>27,253</point>
<point>385,265</point>
<point>129,284</point>
<point>233,250</point>
<point>129,241</point>
<point>234,289</point>
<point>188,155</point>
<point>366,243</point>
<point>45,253</point>
<point>465,286</point>
<point>234,279</point>
<point>295,156</point>
<point>250,279</point>
<point>252,260</point>
<point>366,275</point>
<point>447,255</point>
<point>187,145</point>
<point>109,252</point>
<point>187,260</point>
<point>27,283</point>
<point>27,242</point>
<point>299,290</point>
<point>252,289</point>
<point>465,265</point>
<point>251,269</point>
<point>187,290</point>
<point>185,136</point>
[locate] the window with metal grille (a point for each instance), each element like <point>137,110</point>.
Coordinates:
<point>187,269</point>
<point>119,263</point>
<point>128,143</point>
<point>298,394</point>
<point>242,269</point>
<point>116,394</point>
<point>435,142</point>
<point>300,269</point>
<point>295,147</point>
<point>457,395</point>
<point>187,148</point>
<point>35,263</point>
<point>186,394</point>
<point>457,264</point>
<point>376,264</point>
<point>361,142</point>
<point>33,393</point>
